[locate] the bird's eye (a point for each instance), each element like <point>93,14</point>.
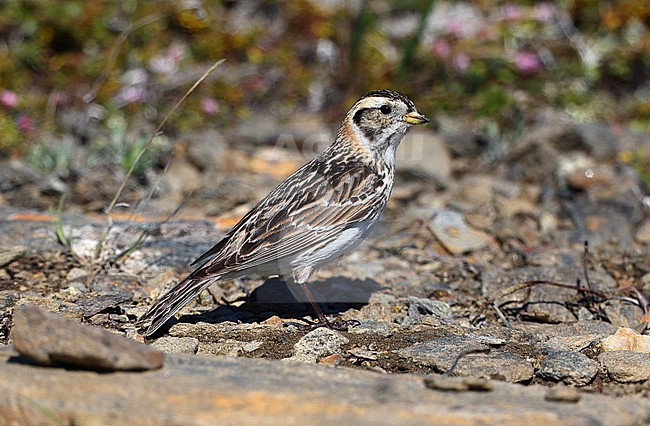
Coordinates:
<point>385,109</point>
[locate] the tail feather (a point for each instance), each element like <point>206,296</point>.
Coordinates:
<point>172,301</point>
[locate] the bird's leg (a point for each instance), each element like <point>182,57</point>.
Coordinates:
<point>300,276</point>
<point>322,319</point>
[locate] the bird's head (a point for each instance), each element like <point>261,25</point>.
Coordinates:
<point>379,120</point>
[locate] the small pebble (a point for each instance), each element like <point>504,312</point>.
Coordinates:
<point>454,384</point>
<point>477,384</point>
<point>274,320</point>
<point>458,384</point>
<point>332,360</point>
<point>563,394</point>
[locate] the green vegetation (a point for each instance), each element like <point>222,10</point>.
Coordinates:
<point>486,60</point>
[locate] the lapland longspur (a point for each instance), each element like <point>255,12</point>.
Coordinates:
<point>318,214</point>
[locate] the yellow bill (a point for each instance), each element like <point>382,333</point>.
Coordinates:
<point>415,118</point>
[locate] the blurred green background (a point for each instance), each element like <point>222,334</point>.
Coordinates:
<point>67,66</point>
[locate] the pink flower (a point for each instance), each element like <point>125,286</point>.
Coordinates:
<point>175,53</point>
<point>441,48</point>
<point>511,12</point>
<point>8,99</point>
<point>162,65</point>
<point>209,106</point>
<point>168,62</point>
<point>527,63</point>
<point>132,94</point>
<point>455,27</point>
<point>544,12</point>
<point>460,62</point>
<point>24,123</point>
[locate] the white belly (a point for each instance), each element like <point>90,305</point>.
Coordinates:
<point>341,245</point>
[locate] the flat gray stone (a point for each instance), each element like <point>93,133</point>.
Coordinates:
<point>95,303</point>
<point>437,311</point>
<point>626,366</point>
<point>568,336</point>
<point>48,339</point>
<point>572,368</point>
<point>202,390</point>
<point>440,354</point>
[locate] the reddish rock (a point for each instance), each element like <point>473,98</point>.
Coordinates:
<point>49,339</point>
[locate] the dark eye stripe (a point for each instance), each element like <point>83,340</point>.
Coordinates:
<point>358,114</point>
<point>385,109</point>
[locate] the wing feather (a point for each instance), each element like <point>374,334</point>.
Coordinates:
<point>307,211</point>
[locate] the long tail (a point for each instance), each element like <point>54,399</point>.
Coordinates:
<point>172,301</point>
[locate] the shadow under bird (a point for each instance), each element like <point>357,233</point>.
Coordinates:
<point>318,214</point>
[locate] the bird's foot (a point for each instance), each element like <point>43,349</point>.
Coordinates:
<point>340,325</point>
<point>337,325</point>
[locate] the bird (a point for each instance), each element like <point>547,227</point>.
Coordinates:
<point>318,214</point>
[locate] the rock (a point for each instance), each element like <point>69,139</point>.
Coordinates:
<point>538,151</point>
<point>518,206</point>
<point>213,390</point>
<point>177,345</point>
<point>10,253</point>
<point>586,177</point>
<point>423,153</point>
<point>92,304</point>
<point>561,393</point>
<point>438,312</point>
<point>331,360</point>
<point>181,178</point>
<point>605,214</point>
<point>623,314</point>
<point>626,366</point>
<point>452,231</point>
<point>576,171</point>
<point>570,336</point>
<point>540,302</point>
<point>318,344</point>
<point>606,141</point>
<point>9,298</point>
<point>441,353</point>
<point>548,312</point>
<point>457,384</point>
<point>380,328</point>
<point>77,275</point>
<point>264,129</point>
<point>49,339</point>
<point>572,368</point>
<point>273,162</point>
<point>364,353</point>
<point>66,309</point>
<point>476,190</point>
<point>642,233</point>
<point>626,339</point>
<point>229,347</point>
<point>206,150</point>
